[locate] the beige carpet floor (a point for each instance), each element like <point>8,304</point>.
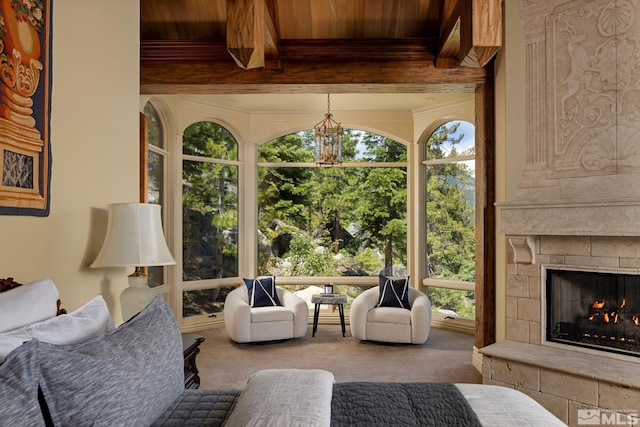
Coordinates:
<point>446,356</point>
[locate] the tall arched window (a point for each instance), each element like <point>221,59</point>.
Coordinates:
<point>450,222</point>
<point>156,160</point>
<point>348,220</point>
<point>210,169</point>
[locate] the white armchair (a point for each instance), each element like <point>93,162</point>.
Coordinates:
<point>390,324</point>
<point>246,324</point>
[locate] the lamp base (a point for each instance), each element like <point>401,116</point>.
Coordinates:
<point>137,296</point>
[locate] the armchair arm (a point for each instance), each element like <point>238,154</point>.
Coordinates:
<point>360,306</point>
<point>237,315</point>
<point>300,311</point>
<point>420,319</point>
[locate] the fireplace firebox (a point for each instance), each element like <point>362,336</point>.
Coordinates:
<point>594,310</point>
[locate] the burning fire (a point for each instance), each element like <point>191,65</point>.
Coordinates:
<point>608,314</point>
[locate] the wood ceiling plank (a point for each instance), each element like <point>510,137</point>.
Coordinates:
<point>183,20</point>
<point>294,19</point>
<point>480,31</point>
<point>246,32</point>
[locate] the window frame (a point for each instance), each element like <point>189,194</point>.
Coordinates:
<point>361,281</point>
<point>475,110</point>
<point>464,324</point>
<point>197,321</point>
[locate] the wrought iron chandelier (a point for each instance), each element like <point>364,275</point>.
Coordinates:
<point>328,139</point>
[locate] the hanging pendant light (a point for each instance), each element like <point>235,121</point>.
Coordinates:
<point>328,139</point>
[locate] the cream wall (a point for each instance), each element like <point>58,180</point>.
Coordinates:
<point>510,137</point>
<point>94,140</point>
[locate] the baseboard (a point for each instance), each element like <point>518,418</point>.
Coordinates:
<point>459,324</point>
<point>476,359</point>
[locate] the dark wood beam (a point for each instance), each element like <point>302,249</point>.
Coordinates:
<point>402,65</point>
<point>480,31</point>
<point>449,39</point>
<point>485,216</point>
<point>341,77</point>
<point>246,32</point>
<point>271,35</point>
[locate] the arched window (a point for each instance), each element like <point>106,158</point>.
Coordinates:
<point>450,219</point>
<point>210,169</point>
<point>156,160</point>
<point>348,220</point>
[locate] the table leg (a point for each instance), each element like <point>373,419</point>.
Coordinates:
<point>341,311</point>
<point>316,314</point>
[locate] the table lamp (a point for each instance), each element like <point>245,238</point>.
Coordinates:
<point>134,238</point>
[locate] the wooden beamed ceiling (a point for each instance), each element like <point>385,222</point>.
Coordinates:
<point>263,46</point>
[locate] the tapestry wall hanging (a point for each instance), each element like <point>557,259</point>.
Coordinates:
<point>25,104</point>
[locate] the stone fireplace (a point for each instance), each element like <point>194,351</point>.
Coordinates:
<point>577,206</point>
<point>592,309</point>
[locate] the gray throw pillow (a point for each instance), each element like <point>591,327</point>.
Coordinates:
<point>19,388</point>
<point>128,376</point>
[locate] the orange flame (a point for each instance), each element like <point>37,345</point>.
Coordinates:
<point>598,304</point>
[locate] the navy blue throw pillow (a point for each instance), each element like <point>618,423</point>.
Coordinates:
<point>262,292</point>
<point>394,292</point>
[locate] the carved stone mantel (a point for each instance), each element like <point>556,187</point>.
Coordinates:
<point>582,175</point>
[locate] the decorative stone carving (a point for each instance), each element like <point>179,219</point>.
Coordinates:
<point>524,250</point>
<point>595,59</point>
<point>583,120</point>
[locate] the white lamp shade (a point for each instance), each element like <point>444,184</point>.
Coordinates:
<point>134,237</point>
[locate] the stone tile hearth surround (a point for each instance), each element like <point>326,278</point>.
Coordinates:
<point>577,205</point>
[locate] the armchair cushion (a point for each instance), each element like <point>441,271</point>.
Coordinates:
<point>395,315</point>
<point>262,292</point>
<point>394,292</point>
<point>271,314</point>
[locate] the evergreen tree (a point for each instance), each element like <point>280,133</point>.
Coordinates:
<point>285,193</point>
<point>380,198</point>
<point>210,203</point>
<point>450,220</point>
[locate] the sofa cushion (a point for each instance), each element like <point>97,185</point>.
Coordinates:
<point>394,292</point>
<point>128,376</point>
<point>19,388</point>
<point>262,292</point>
<point>90,320</point>
<point>30,303</point>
